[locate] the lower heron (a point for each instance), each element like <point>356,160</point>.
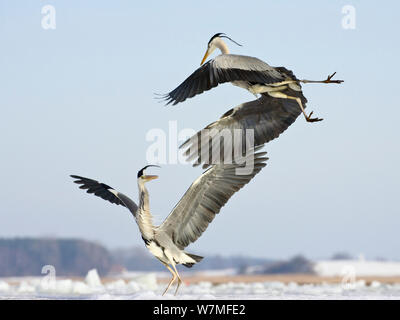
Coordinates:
<point>192,214</point>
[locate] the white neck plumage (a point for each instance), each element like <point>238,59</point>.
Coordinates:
<point>143,216</point>
<point>221,45</point>
<point>143,197</point>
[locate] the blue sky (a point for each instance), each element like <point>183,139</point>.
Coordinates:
<point>79,100</point>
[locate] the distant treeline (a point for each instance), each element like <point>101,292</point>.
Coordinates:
<point>297,264</point>
<point>27,256</point>
<point>75,257</point>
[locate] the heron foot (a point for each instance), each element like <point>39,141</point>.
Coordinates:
<point>309,119</point>
<point>329,79</point>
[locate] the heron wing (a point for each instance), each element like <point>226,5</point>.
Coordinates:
<point>224,68</point>
<point>205,198</point>
<point>105,192</point>
<point>268,117</point>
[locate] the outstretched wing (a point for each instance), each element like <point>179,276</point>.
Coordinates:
<point>224,68</point>
<point>268,117</point>
<point>105,192</point>
<point>206,196</point>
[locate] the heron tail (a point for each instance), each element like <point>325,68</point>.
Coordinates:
<point>195,258</point>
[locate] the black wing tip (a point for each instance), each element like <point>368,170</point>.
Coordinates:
<point>161,95</point>
<point>168,100</point>
<point>78,179</point>
<point>166,97</point>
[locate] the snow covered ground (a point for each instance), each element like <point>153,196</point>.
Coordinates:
<point>145,286</point>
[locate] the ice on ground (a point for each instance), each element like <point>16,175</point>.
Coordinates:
<point>4,286</point>
<point>118,285</point>
<point>92,279</point>
<point>121,289</point>
<point>81,288</point>
<point>145,286</point>
<point>146,281</point>
<point>25,287</point>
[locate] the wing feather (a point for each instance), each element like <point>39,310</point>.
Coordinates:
<point>267,116</point>
<point>205,198</point>
<point>224,68</point>
<point>105,192</point>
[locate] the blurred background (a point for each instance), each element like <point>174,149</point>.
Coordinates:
<point>78,98</point>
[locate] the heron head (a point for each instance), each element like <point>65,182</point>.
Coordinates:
<point>146,177</point>
<point>217,42</point>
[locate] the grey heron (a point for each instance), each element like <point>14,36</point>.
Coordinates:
<point>281,99</point>
<point>246,72</point>
<point>189,218</point>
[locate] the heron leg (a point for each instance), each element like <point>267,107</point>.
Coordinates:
<point>327,80</point>
<point>174,275</point>
<point>278,94</point>
<point>179,279</point>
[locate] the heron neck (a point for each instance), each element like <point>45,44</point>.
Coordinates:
<point>143,197</point>
<point>221,45</point>
<point>143,217</point>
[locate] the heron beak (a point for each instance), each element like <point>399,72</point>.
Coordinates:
<point>205,56</point>
<point>149,177</point>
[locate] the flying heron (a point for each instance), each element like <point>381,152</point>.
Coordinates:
<point>246,72</point>
<point>189,218</point>
<point>281,99</point>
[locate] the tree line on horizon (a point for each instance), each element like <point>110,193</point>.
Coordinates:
<point>75,257</point>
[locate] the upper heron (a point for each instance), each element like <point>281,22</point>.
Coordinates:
<point>190,217</point>
<point>281,99</point>
<point>246,72</point>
